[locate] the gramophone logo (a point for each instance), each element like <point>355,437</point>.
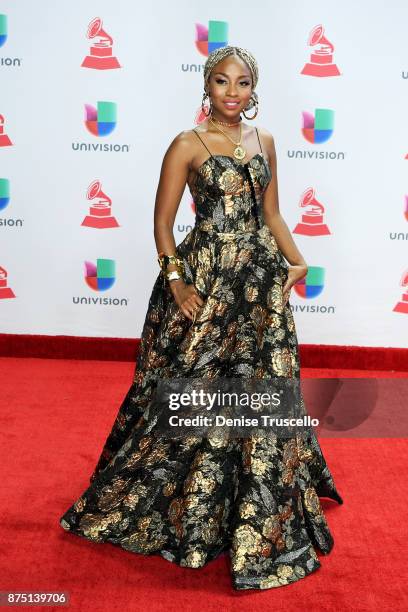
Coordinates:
<point>402,305</point>
<point>100,213</point>
<point>5,292</point>
<point>211,38</point>
<point>100,277</point>
<point>321,59</point>
<point>100,55</point>
<point>4,139</point>
<point>4,193</point>
<point>312,219</point>
<point>200,115</point>
<point>3,29</point>
<point>319,127</point>
<point>100,121</point>
<point>406,208</point>
<point>312,285</point>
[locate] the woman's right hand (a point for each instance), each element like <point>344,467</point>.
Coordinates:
<point>186,297</point>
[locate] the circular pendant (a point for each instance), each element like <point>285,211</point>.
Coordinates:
<point>239,152</point>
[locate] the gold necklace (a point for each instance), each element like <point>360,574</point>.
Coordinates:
<point>239,151</point>
<point>225,123</point>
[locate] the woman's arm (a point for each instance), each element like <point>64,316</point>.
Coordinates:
<point>172,182</point>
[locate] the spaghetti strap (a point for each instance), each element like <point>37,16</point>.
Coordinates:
<point>196,133</point>
<point>259,140</point>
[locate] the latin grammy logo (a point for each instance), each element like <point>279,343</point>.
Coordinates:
<point>100,55</point>
<point>200,116</point>
<point>321,60</point>
<point>5,292</point>
<point>4,139</point>
<point>312,220</point>
<point>402,305</point>
<point>406,208</point>
<point>100,215</point>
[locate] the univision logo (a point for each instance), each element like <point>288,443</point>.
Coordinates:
<point>212,37</point>
<point>208,38</point>
<point>6,61</point>
<point>401,235</point>
<point>100,276</point>
<point>3,29</point>
<point>4,202</point>
<point>100,121</point>
<point>311,286</point>
<point>317,128</point>
<point>184,228</point>
<point>4,193</point>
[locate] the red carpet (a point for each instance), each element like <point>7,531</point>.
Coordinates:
<point>55,416</point>
<point>125,349</point>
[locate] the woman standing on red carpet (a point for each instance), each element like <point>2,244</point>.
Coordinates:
<point>218,310</point>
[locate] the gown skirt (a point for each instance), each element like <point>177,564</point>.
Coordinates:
<point>190,499</point>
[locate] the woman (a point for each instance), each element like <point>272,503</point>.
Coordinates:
<point>219,308</point>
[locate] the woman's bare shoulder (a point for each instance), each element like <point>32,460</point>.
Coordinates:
<point>266,135</point>
<point>267,140</point>
<point>183,148</point>
<point>184,139</point>
<point>181,143</point>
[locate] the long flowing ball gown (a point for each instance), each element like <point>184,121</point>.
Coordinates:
<point>189,500</point>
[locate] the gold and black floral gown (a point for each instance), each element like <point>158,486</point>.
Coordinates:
<point>188,500</point>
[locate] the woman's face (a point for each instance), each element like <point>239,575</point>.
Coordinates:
<point>230,87</point>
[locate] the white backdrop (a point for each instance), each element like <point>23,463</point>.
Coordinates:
<point>361,181</point>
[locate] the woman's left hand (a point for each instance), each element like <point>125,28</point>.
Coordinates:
<point>295,274</point>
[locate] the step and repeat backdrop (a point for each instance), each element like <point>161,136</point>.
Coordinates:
<point>92,94</point>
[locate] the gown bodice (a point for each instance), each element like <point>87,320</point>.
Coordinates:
<point>228,194</point>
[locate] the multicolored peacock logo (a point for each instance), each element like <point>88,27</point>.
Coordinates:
<point>212,37</point>
<point>100,277</point>
<point>101,121</point>
<point>3,29</point>
<point>312,284</point>
<point>319,127</point>
<point>4,193</point>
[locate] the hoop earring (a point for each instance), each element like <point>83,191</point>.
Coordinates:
<point>253,116</point>
<point>205,95</point>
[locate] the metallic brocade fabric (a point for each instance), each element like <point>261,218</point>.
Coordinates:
<point>188,500</point>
